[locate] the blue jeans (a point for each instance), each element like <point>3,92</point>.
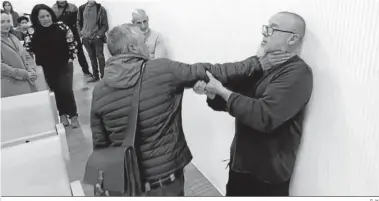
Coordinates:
<point>95,49</point>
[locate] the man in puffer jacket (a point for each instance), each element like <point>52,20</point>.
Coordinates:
<point>161,145</point>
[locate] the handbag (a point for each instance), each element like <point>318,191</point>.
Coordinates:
<point>114,171</point>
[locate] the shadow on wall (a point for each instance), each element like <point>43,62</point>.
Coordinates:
<point>318,153</point>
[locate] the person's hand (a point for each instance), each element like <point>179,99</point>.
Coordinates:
<point>32,76</point>
<point>273,59</point>
<point>213,86</point>
<point>70,61</point>
<point>199,88</point>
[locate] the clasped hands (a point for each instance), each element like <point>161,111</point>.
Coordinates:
<point>215,87</point>
<point>211,88</point>
<point>32,76</point>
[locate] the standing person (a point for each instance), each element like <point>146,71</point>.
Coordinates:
<point>18,73</point>
<point>269,112</point>
<point>23,27</point>
<point>8,9</point>
<point>92,22</point>
<point>153,39</point>
<point>68,13</point>
<point>54,48</point>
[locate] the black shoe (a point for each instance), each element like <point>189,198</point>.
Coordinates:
<point>64,120</point>
<point>74,122</point>
<point>93,79</point>
<point>88,74</point>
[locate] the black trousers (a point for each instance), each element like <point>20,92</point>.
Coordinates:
<point>82,58</point>
<point>95,49</point>
<point>244,184</point>
<point>61,84</point>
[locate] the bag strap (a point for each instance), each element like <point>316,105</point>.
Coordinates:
<point>64,10</point>
<point>133,114</point>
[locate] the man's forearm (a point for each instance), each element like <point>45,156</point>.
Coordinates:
<point>227,73</point>
<point>225,93</point>
<point>231,72</point>
<point>103,23</point>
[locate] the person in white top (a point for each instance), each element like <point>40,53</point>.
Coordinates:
<point>153,39</point>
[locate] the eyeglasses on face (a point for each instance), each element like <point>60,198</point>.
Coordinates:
<point>269,31</point>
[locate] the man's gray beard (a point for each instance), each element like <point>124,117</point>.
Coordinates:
<point>147,30</point>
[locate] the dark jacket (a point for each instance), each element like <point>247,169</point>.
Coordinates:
<point>67,14</point>
<point>15,17</point>
<point>269,114</point>
<point>102,20</point>
<point>161,141</point>
<point>18,33</point>
<point>52,46</point>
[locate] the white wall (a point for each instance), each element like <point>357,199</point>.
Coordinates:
<point>340,152</point>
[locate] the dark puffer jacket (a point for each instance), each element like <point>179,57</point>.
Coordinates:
<point>160,139</point>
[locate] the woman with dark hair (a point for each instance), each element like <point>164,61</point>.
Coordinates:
<point>8,9</point>
<point>54,48</point>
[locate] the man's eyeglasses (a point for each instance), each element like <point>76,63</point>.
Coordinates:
<point>269,31</point>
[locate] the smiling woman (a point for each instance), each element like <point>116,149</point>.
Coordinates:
<point>45,18</point>
<point>54,47</point>
<point>18,70</point>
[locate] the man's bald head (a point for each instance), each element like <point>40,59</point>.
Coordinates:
<point>138,13</point>
<point>284,32</point>
<point>141,19</point>
<point>295,21</point>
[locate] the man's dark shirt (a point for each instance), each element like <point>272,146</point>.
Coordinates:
<point>269,113</point>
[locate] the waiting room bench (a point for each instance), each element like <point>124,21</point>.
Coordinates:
<point>34,151</point>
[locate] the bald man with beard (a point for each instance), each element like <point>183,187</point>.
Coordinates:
<point>268,110</point>
<point>153,39</point>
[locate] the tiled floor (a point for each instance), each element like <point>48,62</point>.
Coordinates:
<point>79,141</point>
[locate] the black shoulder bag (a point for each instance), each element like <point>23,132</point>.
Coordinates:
<point>113,171</point>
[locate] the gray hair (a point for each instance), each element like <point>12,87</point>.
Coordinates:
<point>121,36</point>
<point>138,12</point>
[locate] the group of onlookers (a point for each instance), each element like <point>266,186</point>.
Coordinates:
<point>51,38</point>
